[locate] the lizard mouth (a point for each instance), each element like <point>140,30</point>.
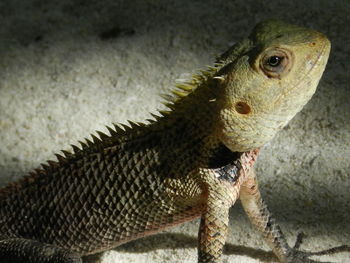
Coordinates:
<point>324,49</point>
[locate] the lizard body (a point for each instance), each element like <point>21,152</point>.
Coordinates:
<point>194,160</point>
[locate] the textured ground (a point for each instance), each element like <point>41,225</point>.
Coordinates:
<point>67,68</point>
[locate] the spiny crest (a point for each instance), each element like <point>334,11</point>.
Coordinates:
<point>184,88</point>
<point>97,144</point>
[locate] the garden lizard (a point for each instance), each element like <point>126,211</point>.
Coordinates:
<point>193,160</point>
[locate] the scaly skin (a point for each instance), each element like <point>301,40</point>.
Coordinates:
<point>190,162</point>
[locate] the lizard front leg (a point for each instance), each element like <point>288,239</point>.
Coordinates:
<point>221,194</point>
<point>223,187</point>
<point>261,218</point>
<point>213,230</point>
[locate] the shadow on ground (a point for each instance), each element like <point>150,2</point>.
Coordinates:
<point>181,241</point>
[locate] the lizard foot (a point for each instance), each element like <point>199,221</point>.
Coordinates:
<point>294,255</point>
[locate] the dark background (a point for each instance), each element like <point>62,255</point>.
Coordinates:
<point>68,68</point>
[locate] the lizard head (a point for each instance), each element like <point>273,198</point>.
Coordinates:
<point>265,80</point>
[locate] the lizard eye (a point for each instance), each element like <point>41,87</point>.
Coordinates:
<point>276,62</point>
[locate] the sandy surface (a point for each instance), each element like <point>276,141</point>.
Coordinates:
<point>67,68</point>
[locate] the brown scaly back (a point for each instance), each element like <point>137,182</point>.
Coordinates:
<point>117,133</point>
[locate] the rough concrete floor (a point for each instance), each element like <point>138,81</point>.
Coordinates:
<point>69,67</point>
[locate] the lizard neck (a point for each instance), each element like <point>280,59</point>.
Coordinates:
<point>193,124</point>
<point>199,109</point>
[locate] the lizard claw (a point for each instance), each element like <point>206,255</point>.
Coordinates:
<point>294,255</point>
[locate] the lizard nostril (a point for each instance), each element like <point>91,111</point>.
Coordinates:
<point>242,107</point>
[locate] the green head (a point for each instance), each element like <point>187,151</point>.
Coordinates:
<point>265,80</point>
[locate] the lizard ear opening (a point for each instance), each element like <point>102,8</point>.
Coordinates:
<point>275,62</point>
<point>242,108</point>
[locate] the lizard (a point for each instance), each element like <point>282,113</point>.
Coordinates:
<point>193,160</point>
